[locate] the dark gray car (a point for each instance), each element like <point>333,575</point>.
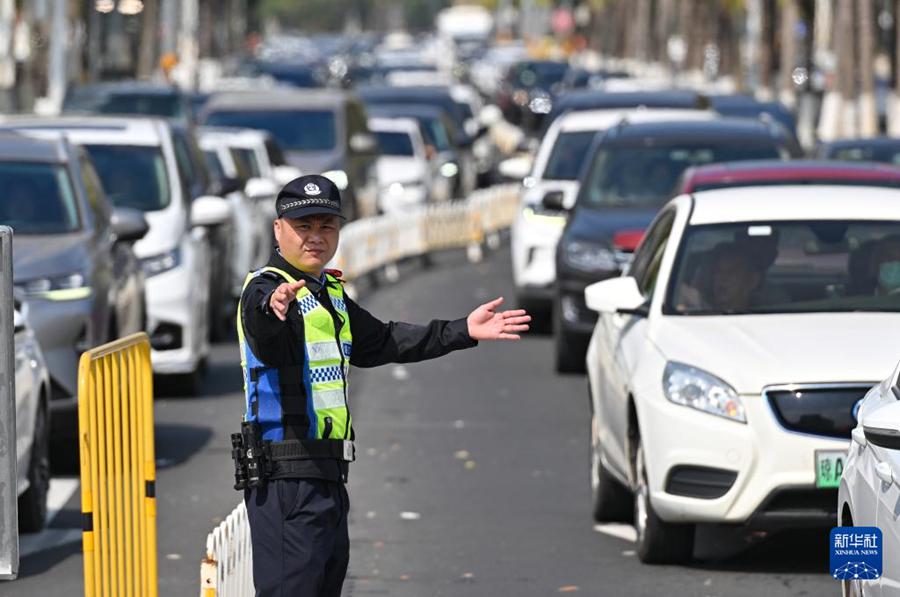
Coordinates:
<point>72,258</point>
<point>320,132</point>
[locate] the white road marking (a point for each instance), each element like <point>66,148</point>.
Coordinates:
<point>61,491</point>
<point>625,532</point>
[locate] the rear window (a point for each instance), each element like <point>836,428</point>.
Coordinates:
<point>294,130</point>
<point>167,106</point>
<point>133,176</point>
<point>37,199</point>
<point>886,154</point>
<point>645,176</point>
<point>393,143</point>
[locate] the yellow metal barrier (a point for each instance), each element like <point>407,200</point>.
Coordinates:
<point>118,469</point>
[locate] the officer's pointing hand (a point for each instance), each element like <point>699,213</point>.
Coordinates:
<point>486,323</point>
<point>283,297</point>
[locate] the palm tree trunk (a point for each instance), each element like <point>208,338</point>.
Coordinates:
<point>149,29</point>
<point>894,105</point>
<point>788,59</point>
<point>868,114</point>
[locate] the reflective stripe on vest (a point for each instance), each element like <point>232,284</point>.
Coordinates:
<point>323,375</point>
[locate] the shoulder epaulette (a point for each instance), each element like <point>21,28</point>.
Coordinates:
<point>336,274</point>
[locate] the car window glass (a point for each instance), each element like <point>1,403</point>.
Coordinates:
<point>276,157</point>
<point>295,130</point>
<point>94,189</point>
<point>37,198</point>
<point>132,175</point>
<point>186,172</point>
<point>214,165</point>
<point>645,176</point>
<point>394,143</point>
<point>568,155</point>
<point>356,119</point>
<point>647,259</point>
<point>248,158</point>
<point>787,267</point>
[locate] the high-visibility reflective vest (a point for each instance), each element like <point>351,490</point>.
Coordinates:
<point>307,401</point>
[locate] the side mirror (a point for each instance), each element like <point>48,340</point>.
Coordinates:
<point>225,186</point>
<point>515,168</point>
<point>284,174</point>
<point>128,225</point>
<point>882,426</point>
<point>209,211</point>
<point>616,295</point>
<point>554,201</point>
<point>364,143</point>
<point>260,188</point>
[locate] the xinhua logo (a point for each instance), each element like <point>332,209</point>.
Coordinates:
<point>856,553</point>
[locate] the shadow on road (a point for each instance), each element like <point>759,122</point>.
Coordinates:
<point>176,443</point>
<point>794,551</point>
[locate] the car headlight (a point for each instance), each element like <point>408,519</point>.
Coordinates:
<point>158,264</point>
<point>689,386</point>
<point>589,257</point>
<point>449,170</point>
<point>58,288</point>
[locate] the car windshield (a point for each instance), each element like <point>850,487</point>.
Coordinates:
<point>541,74</point>
<point>167,106</point>
<point>787,267</point>
<point>568,155</point>
<point>889,154</point>
<point>295,130</point>
<point>37,198</point>
<point>394,143</point>
<point>645,176</point>
<point>133,176</point>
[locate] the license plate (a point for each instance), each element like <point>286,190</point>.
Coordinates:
<point>829,466</point>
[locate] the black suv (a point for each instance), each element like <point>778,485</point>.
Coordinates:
<point>631,170</point>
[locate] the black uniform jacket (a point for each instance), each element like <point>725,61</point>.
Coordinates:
<point>280,343</point>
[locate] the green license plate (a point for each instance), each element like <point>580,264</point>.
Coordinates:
<point>829,466</point>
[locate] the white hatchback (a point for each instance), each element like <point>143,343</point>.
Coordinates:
<point>726,362</point>
<point>550,190</point>
<point>406,175</point>
<point>870,486</point>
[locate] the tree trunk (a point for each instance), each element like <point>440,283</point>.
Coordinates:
<point>846,77</point>
<point>149,28</point>
<point>868,113</point>
<point>767,13</point>
<point>894,114</point>
<point>788,58</point>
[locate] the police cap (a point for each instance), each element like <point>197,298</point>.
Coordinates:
<point>308,195</point>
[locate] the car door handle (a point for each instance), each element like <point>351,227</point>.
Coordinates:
<point>884,472</point>
<point>859,436</point>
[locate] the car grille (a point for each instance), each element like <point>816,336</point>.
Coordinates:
<point>826,410</point>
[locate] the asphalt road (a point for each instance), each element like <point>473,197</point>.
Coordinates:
<point>472,479</point>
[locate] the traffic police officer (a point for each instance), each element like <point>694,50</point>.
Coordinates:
<point>299,333</point>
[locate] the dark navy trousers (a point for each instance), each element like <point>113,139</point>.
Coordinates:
<point>298,528</point>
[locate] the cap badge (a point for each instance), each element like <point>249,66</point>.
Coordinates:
<point>312,189</point>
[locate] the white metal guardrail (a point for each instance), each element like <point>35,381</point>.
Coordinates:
<point>9,515</point>
<point>366,246</point>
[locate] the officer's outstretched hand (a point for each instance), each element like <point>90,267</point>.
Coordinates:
<point>485,323</point>
<point>283,296</point>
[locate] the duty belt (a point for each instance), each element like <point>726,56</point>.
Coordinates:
<point>304,449</point>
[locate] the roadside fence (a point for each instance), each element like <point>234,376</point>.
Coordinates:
<point>366,246</point>
<point>9,516</point>
<point>118,469</point>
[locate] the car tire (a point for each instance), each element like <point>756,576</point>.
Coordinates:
<point>33,503</point>
<point>610,501</point>
<point>568,358</point>
<point>658,542</point>
<point>850,588</point>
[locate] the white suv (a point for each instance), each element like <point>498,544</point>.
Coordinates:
<point>727,361</point>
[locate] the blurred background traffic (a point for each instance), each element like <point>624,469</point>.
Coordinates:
<point>157,133</point>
